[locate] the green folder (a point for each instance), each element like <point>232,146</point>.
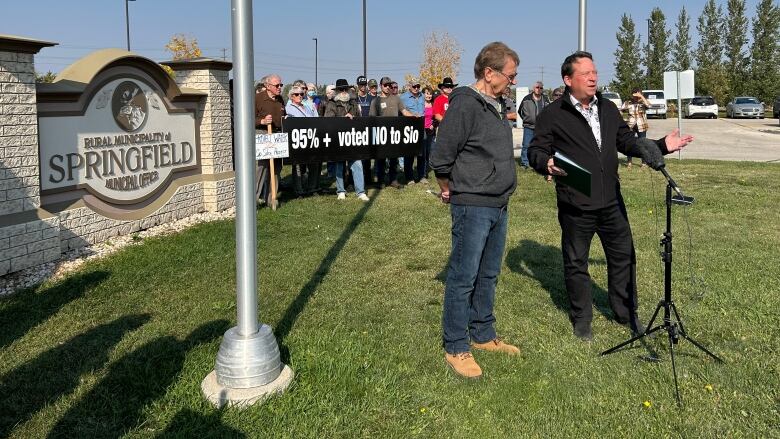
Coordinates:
<point>578,178</point>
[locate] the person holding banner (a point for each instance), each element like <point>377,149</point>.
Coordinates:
<point>342,105</point>
<point>589,130</point>
<point>388,104</point>
<point>475,168</point>
<point>269,111</point>
<point>296,107</point>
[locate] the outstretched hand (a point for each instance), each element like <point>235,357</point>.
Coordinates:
<point>674,141</point>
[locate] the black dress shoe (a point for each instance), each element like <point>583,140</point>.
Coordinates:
<point>583,332</point>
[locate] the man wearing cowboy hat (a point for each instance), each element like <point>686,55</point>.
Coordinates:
<point>442,102</point>
<point>342,105</point>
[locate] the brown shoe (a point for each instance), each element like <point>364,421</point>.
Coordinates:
<point>497,345</point>
<point>463,364</point>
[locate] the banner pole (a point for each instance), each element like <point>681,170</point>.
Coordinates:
<point>679,113</point>
<point>272,177</point>
<point>248,367</point>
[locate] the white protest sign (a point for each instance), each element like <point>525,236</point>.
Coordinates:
<point>271,146</point>
<point>685,86</point>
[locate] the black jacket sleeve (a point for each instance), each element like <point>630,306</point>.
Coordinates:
<point>541,148</point>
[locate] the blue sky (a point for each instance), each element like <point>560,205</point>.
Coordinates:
<point>542,32</point>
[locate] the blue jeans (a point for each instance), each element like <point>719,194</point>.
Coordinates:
<point>478,238</point>
<point>356,166</point>
<point>528,134</point>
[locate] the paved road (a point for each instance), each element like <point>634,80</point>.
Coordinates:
<point>755,140</point>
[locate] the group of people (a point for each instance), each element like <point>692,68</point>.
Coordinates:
<point>475,168</point>
<point>363,99</point>
<point>473,161</point>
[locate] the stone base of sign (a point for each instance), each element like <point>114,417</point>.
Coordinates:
<point>83,226</point>
<point>29,243</point>
<point>221,396</point>
<point>219,195</point>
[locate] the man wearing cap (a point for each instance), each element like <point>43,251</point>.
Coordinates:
<point>387,104</point>
<point>442,102</point>
<point>364,99</point>
<point>372,86</point>
<point>415,102</point>
<point>342,105</point>
<point>269,110</point>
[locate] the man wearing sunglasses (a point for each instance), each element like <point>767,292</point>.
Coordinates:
<point>530,107</point>
<point>269,110</point>
<point>415,102</point>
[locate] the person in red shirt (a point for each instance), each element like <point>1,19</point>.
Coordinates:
<point>443,100</point>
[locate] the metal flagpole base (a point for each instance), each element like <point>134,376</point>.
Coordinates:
<point>248,369</point>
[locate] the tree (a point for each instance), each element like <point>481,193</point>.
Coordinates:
<point>628,74</point>
<point>734,44</point>
<point>657,56</point>
<point>48,77</point>
<point>441,58</point>
<point>765,51</point>
<point>711,77</point>
<point>681,46</point>
<point>182,47</point>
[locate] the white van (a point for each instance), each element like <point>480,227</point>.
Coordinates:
<point>657,103</point>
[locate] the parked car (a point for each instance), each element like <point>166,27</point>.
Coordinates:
<point>745,106</point>
<point>612,96</point>
<point>776,107</point>
<point>701,106</point>
<point>657,103</point>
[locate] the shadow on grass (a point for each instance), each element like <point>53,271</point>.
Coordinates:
<point>545,264</point>
<point>116,403</point>
<point>25,310</point>
<point>295,308</point>
<point>191,424</point>
<point>30,387</point>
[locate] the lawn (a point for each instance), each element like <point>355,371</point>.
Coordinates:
<point>354,293</point>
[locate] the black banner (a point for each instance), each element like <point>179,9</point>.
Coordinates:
<point>330,139</point>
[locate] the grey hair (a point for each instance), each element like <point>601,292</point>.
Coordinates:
<point>294,89</point>
<point>267,78</point>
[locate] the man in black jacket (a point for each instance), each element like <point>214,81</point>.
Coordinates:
<point>475,169</point>
<point>590,131</point>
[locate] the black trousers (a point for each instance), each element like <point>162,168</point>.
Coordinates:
<point>611,225</point>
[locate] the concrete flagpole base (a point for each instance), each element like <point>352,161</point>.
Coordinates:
<point>221,396</point>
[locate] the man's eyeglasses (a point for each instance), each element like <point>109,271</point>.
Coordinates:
<point>539,88</point>
<point>279,85</point>
<point>416,86</point>
<point>511,77</point>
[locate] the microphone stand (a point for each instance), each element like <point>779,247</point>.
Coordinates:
<point>672,325</point>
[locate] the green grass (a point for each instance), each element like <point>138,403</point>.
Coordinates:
<point>354,293</point>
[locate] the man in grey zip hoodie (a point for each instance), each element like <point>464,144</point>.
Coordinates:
<point>475,168</point>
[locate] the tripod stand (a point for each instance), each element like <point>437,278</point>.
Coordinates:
<point>673,327</point>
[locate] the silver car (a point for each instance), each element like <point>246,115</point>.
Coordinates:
<point>744,106</point>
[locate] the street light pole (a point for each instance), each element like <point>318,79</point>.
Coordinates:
<point>365,51</point>
<point>317,84</point>
<point>583,25</point>
<point>127,22</point>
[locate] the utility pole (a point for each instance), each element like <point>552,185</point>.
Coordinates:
<point>127,22</point>
<point>583,25</point>
<point>541,71</point>
<point>365,62</point>
<point>316,83</point>
<point>224,54</point>
<point>647,78</point>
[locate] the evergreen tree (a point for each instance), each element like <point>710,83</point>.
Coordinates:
<point>765,52</point>
<point>681,46</point>
<point>657,56</point>
<point>734,44</point>
<point>710,76</point>
<point>627,58</point>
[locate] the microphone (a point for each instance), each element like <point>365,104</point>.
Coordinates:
<point>653,157</point>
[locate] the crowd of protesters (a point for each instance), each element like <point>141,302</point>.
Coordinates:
<point>369,97</point>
